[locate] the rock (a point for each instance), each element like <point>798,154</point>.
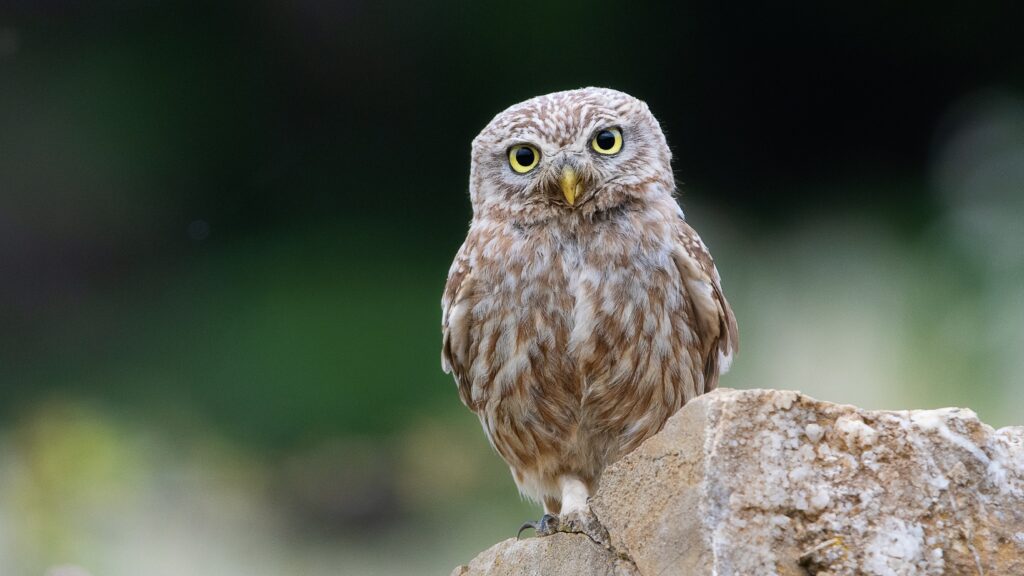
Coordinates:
<point>556,554</point>
<point>777,483</point>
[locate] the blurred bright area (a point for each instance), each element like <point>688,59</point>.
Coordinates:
<point>224,231</point>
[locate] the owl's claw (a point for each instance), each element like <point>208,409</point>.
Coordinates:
<point>579,522</point>
<point>546,526</point>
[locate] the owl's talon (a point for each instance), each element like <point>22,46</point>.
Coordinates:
<point>546,526</point>
<point>549,524</point>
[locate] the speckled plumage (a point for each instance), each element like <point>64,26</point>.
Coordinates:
<point>575,331</point>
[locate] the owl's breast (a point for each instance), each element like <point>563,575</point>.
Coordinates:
<point>576,336</point>
<point>632,339</point>
<point>523,317</point>
<point>569,310</point>
<point>628,308</point>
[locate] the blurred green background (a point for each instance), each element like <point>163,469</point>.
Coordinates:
<point>225,228</point>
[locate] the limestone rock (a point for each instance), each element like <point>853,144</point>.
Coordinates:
<point>776,483</point>
<point>556,554</point>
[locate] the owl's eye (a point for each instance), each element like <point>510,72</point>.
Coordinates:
<point>607,141</point>
<point>523,158</point>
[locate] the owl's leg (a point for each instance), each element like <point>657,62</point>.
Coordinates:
<point>576,515</point>
<point>574,495</point>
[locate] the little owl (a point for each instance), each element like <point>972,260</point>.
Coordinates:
<point>582,310</point>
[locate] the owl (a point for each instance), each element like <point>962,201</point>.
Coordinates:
<point>582,310</point>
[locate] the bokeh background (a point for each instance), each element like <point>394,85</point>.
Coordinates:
<point>225,228</point>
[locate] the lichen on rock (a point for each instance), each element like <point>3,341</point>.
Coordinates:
<point>774,482</point>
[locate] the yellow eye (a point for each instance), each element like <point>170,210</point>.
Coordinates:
<point>523,158</point>
<point>607,141</point>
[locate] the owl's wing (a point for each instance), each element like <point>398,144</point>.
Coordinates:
<point>715,323</point>
<point>456,313</point>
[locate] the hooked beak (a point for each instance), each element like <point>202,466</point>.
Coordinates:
<point>570,184</point>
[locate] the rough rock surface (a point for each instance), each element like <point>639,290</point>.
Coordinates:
<point>774,482</point>
<point>556,554</point>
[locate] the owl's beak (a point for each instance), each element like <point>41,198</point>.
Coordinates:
<point>570,184</point>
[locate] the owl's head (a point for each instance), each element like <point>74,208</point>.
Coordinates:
<point>570,154</point>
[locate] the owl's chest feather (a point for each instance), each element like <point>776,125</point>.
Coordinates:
<point>576,310</point>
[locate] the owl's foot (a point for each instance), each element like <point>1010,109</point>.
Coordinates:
<point>546,526</point>
<point>584,522</point>
<point>575,522</point>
